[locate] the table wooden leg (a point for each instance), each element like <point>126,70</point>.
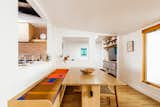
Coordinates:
<point>116,97</point>
<point>90,96</point>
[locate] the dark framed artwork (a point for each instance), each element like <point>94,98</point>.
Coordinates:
<point>130,46</point>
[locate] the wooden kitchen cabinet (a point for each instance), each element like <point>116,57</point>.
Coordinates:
<point>25,32</point>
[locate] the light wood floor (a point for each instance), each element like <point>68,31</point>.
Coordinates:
<point>127,96</point>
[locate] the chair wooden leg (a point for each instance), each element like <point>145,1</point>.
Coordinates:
<point>109,100</point>
<point>116,97</point>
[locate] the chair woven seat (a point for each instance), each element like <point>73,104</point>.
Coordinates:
<point>106,90</point>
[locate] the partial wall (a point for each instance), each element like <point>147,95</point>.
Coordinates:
<point>130,65</point>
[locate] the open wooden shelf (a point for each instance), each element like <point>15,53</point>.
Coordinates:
<point>38,40</point>
<point>110,46</point>
<point>110,42</point>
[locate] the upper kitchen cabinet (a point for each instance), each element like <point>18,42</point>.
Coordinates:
<point>25,32</point>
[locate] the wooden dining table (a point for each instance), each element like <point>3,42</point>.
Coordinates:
<point>90,84</point>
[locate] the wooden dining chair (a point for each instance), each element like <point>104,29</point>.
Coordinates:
<point>108,92</point>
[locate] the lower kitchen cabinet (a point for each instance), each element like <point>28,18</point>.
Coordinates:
<point>110,67</point>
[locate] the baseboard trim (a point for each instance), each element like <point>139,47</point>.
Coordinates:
<point>143,91</point>
<point>141,88</point>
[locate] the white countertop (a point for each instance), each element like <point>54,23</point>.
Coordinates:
<point>35,64</point>
<point>28,75</point>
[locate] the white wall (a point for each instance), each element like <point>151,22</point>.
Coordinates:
<point>72,48</point>
<point>130,65</point>
<point>55,38</point>
<point>100,54</point>
<point>54,44</point>
<point>8,46</point>
<point>13,79</point>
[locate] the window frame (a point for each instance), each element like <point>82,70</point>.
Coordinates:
<point>144,63</point>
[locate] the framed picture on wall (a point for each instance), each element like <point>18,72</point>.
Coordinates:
<point>130,46</point>
<point>83,51</point>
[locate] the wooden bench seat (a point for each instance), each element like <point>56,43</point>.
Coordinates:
<point>46,96</point>
<point>48,87</point>
<point>47,92</point>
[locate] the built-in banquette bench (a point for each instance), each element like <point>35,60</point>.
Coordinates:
<point>46,93</point>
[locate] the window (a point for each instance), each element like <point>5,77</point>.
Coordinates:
<point>151,55</point>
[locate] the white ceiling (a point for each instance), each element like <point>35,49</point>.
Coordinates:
<point>101,16</point>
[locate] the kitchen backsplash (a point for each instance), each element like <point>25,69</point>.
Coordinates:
<point>35,50</point>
